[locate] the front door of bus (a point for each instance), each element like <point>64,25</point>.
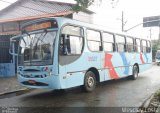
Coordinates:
<point>71,65</point>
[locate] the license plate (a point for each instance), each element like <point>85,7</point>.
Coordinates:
<point>32,81</point>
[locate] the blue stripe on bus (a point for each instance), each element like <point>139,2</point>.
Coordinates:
<point>146,57</point>
<point>125,63</point>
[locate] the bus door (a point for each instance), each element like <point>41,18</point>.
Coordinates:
<point>71,48</point>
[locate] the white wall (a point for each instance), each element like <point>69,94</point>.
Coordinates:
<point>81,16</point>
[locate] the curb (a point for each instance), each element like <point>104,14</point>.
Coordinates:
<point>14,91</point>
<point>147,101</point>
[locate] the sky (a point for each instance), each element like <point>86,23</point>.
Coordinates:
<point>5,4</point>
<point>134,11</point>
<point>109,13</point>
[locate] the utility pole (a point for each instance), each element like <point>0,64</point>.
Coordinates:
<point>123,23</point>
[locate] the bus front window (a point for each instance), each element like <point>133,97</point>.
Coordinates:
<point>37,49</point>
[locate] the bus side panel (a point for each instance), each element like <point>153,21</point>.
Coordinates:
<point>146,61</point>
<point>95,60</point>
<point>117,65</point>
<point>75,71</point>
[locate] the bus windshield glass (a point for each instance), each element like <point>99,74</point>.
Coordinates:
<point>36,49</point>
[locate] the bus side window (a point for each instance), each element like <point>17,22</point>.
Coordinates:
<point>137,45</point>
<point>120,42</point>
<point>108,42</point>
<point>71,42</point>
<point>94,40</point>
<point>148,47</point>
<point>61,47</point>
<point>143,46</point>
<point>129,44</point>
<point>64,45</point>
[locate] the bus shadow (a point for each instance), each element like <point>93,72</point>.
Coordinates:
<point>77,96</point>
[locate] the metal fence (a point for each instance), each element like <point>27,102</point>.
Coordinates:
<point>7,65</point>
<point>5,57</point>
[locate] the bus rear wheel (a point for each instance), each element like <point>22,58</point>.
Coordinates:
<point>89,81</point>
<point>135,73</point>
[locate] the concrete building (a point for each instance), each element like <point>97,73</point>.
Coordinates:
<point>13,16</point>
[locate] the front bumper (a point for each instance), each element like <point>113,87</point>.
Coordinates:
<point>51,82</point>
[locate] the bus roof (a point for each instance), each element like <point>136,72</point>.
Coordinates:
<point>62,21</point>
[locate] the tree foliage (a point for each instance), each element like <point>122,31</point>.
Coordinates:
<point>82,5</point>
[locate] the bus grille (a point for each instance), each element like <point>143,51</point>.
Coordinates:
<point>34,76</point>
<point>35,84</point>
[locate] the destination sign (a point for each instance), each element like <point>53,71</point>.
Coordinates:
<point>40,26</point>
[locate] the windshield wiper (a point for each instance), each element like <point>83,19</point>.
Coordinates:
<point>39,38</point>
<point>43,36</point>
<point>30,52</point>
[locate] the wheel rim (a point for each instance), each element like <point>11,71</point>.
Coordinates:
<point>90,81</point>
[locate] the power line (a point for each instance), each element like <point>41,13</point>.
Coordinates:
<point>142,23</point>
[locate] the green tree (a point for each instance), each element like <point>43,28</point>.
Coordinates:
<point>82,5</point>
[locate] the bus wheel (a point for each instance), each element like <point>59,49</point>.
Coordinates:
<point>89,81</point>
<point>135,73</point>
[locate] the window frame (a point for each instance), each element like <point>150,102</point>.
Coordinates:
<point>130,44</point>
<point>100,47</point>
<point>119,43</point>
<point>82,36</point>
<point>113,43</point>
<point>143,46</point>
<point>149,48</point>
<point>137,46</point>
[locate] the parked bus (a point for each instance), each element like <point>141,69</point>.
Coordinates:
<point>157,58</point>
<point>60,53</point>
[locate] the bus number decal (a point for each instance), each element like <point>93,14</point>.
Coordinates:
<point>92,58</point>
<point>109,65</point>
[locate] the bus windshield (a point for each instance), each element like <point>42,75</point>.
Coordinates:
<point>36,49</point>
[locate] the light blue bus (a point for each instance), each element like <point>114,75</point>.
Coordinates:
<point>60,53</point>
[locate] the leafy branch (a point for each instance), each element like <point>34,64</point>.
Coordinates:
<point>82,5</point>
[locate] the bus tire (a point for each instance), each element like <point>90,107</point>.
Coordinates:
<point>89,81</point>
<point>135,73</point>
